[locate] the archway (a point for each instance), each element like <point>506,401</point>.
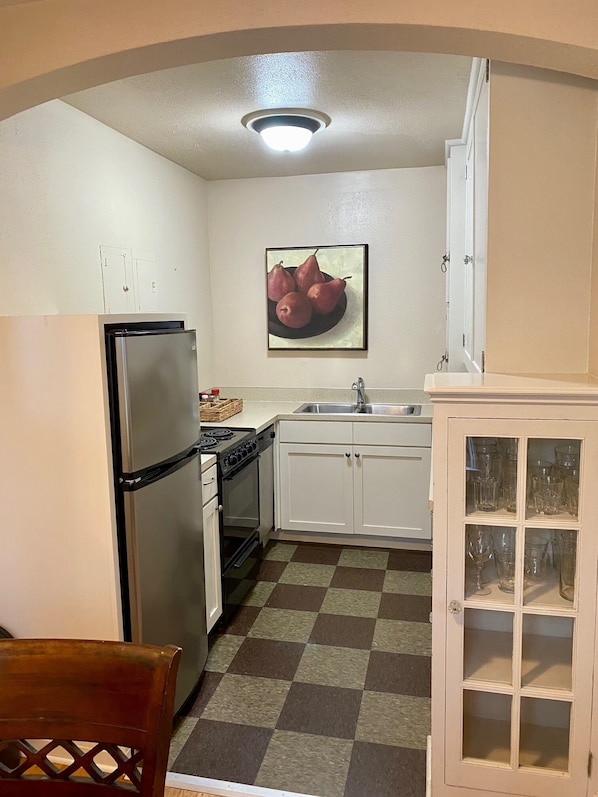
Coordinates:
<point>54,47</point>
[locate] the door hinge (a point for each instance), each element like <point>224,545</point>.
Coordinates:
<point>464,340</point>
<point>487,69</point>
<point>483,361</point>
<point>590,757</point>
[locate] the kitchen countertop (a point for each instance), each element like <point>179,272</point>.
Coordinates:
<point>207,460</point>
<point>260,414</point>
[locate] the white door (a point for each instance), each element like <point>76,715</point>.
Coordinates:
<point>391,487</point>
<point>316,487</point>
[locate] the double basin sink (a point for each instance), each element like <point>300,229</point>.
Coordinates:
<point>331,408</point>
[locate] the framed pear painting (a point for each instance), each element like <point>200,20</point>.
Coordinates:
<point>317,298</point>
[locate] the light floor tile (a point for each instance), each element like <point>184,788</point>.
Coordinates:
<point>353,602</point>
<point>246,700</point>
<point>293,761</point>
<point>402,636</point>
<point>406,582</point>
<point>399,720</point>
<point>181,733</point>
<point>260,593</point>
<point>222,652</point>
<point>285,625</point>
<point>308,575</point>
<point>327,665</point>
<point>355,557</point>
<point>280,552</point>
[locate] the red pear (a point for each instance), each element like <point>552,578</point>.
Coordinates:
<point>280,282</point>
<point>294,310</point>
<point>324,296</point>
<point>308,273</point>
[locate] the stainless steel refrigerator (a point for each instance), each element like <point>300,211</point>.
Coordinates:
<point>154,413</point>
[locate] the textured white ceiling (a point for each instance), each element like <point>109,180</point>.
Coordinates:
<point>388,110</point>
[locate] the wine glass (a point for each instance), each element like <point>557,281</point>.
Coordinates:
<point>479,550</point>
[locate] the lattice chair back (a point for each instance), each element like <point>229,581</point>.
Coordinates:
<point>82,717</point>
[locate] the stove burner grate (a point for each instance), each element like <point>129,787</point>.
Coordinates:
<point>220,434</point>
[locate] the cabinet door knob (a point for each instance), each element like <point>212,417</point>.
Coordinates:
<point>220,508</point>
<point>347,454</point>
<point>357,454</point>
<point>454,607</point>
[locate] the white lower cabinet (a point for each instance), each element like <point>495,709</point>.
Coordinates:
<point>514,592</point>
<point>211,547</point>
<point>355,478</point>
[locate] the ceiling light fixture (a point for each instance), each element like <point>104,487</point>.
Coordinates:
<point>286,129</point>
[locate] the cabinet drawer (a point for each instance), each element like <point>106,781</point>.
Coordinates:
<point>316,432</point>
<point>209,485</point>
<point>392,434</point>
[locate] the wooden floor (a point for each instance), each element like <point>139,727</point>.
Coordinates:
<point>172,792</point>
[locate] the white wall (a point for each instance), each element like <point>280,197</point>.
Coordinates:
<point>400,213</point>
<point>69,185</point>
<point>542,182</point>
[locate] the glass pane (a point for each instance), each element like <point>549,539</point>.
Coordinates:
<point>488,646</point>
<point>490,563</point>
<point>549,577</point>
<point>487,726</point>
<point>547,651</point>
<point>491,474</point>
<point>552,478</point>
<point>544,739</point>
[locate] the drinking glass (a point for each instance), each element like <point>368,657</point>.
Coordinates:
<point>503,542</point>
<point>547,492</point>
<point>509,484</point>
<point>536,467</point>
<point>572,492</point>
<point>479,549</point>
<point>568,545</point>
<point>536,557</point>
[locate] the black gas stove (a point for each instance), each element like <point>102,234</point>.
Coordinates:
<point>232,447</point>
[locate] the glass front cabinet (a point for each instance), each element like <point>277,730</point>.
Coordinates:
<point>515,585</point>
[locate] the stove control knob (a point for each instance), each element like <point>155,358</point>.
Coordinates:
<point>231,459</point>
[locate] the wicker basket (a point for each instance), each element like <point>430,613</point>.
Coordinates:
<point>219,410</point>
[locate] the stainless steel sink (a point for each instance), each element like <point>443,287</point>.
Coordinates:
<point>391,409</point>
<point>330,408</point>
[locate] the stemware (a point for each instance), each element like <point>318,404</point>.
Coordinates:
<point>479,550</point>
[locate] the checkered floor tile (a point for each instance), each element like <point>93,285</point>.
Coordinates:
<point>320,683</point>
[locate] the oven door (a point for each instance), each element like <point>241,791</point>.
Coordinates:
<point>240,510</point>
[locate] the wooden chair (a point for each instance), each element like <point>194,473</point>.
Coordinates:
<point>86,718</point>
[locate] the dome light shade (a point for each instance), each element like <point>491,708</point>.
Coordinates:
<point>286,130</point>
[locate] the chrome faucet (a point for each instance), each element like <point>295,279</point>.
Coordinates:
<point>359,386</point>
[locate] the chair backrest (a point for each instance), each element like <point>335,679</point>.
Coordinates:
<point>83,717</point>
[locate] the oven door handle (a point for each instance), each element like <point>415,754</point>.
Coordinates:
<point>247,554</point>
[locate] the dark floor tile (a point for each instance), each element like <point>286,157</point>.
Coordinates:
<point>321,710</point>
<point>293,596</point>
<point>343,632</point>
<point>224,751</point>
<point>271,570</point>
<point>419,561</point>
<point>207,688</point>
<point>267,658</point>
<point>241,621</point>
<point>415,608</point>
<point>384,771</point>
<point>317,554</point>
<point>358,578</point>
<point>401,673</point>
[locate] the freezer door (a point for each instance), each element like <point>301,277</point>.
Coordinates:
<point>158,396</point>
<point>165,568</point>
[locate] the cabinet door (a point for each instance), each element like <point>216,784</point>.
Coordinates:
<point>316,488</point>
<point>391,488</point>
<point>521,586</point>
<point>211,548</point>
